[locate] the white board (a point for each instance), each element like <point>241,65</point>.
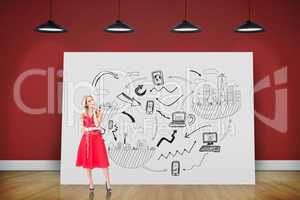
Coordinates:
<point>170,118</point>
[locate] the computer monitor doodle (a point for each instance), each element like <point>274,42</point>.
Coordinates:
<point>178,119</point>
<point>210,137</point>
<point>178,116</point>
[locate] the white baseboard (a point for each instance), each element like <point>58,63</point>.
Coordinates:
<point>30,165</point>
<point>286,165</point>
<point>54,165</point>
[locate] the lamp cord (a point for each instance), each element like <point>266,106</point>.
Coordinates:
<point>185,10</point>
<point>50,9</point>
<point>249,9</point>
<point>119,10</point>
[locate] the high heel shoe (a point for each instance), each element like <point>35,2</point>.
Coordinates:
<point>109,190</point>
<point>91,189</point>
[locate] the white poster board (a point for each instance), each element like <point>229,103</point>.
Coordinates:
<point>170,118</point>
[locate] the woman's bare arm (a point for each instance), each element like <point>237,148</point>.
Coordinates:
<point>97,118</point>
<point>82,127</point>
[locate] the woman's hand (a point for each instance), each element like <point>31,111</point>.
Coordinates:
<point>87,129</point>
<point>97,112</point>
<point>91,129</point>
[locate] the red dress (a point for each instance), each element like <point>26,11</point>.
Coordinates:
<point>91,151</point>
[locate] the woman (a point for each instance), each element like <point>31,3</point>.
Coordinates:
<point>92,151</point>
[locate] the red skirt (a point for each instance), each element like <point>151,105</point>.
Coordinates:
<point>92,152</point>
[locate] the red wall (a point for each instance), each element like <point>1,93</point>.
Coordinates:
<point>25,136</point>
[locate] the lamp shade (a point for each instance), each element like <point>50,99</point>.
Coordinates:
<point>249,27</point>
<point>185,27</point>
<point>119,27</point>
<point>50,27</point>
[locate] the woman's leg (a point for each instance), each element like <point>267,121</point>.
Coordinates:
<point>90,178</point>
<point>106,175</point>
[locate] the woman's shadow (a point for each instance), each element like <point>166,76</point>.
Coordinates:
<point>92,196</point>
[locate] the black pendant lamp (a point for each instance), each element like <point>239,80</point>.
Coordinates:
<point>185,26</point>
<point>249,26</point>
<point>50,26</point>
<point>118,26</point>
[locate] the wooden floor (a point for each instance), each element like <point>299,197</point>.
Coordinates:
<point>45,185</point>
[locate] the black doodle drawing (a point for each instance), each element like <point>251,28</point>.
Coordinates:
<point>163,88</point>
<point>130,74</point>
<point>208,148</point>
<point>186,97</point>
<point>112,111</point>
<point>101,74</point>
<point>191,119</point>
<point>170,154</point>
<point>207,100</point>
<point>169,104</point>
<point>135,80</point>
<point>138,91</point>
<point>110,124</point>
<point>187,135</point>
<point>114,131</point>
<point>163,115</point>
<point>212,71</point>
<point>127,99</point>
<point>102,92</point>
<point>213,112</point>
<point>210,138</point>
<point>215,103</point>
<point>178,119</point>
<point>125,137</point>
<point>156,128</point>
<point>149,107</point>
<point>150,127</point>
<point>198,165</point>
<point>130,116</point>
<point>157,78</point>
<point>229,129</point>
<point>181,78</point>
<point>128,156</point>
<point>166,139</point>
<point>154,170</point>
<point>194,71</point>
<point>107,105</point>
<point>175,168</point>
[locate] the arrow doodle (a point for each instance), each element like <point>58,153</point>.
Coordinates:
<point>177,152</point>
<point>100,74</point>
<point>137,90</point>
<point>189,134</point>
<point>127,99</point>
<point>180,78</point>
<point>194,71</point>
<point>130,116</point>
<point>163,115</point>
<point>166,139</point>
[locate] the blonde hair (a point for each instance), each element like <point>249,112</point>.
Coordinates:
<point>84,101</point>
